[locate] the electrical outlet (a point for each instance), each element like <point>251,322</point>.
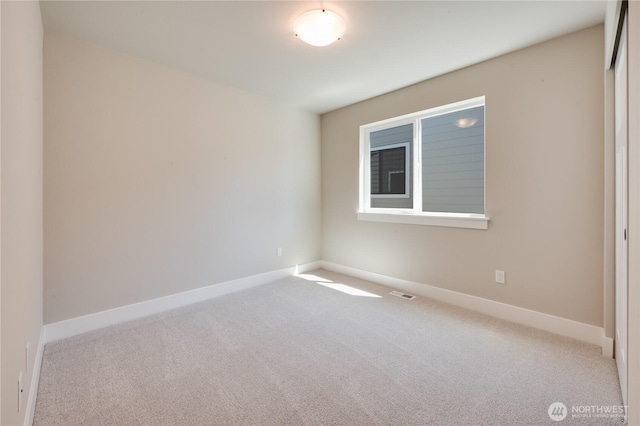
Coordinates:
<point>279,251</point>
<point>26,357</point>
<point>499,277</point>
<point>20,390</point>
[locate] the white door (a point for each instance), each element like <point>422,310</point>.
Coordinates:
<point>621,211</point>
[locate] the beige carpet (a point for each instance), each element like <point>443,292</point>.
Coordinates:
<point>296,352</point>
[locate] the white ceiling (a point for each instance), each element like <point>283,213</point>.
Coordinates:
<point>251,45</point>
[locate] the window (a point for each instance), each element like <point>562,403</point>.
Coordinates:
<point>426,168</point>
<point>390,171</point>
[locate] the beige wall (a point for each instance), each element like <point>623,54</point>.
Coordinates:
<point>21,189</point>
<point>158,182</point>
<point>544,184</point>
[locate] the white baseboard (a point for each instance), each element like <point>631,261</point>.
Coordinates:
<point>565,327</point>
<point>71,327</point>
<point>35,380</point>
<point>607,346</point>
<point>311,266</point>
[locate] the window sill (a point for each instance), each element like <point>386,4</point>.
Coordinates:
<point>449,220</point>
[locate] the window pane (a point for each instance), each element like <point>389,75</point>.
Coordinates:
<point>390,167</point>
<point>453,162</point>
<point>388,171</point>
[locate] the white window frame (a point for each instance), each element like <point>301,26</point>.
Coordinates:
<point>414,215</point>
<point>407,168</point>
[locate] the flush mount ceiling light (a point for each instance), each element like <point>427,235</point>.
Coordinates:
<point>464,123</point>
<point>319,27</point>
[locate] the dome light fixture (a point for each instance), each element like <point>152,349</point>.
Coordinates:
<point>319,27</point>
<point>465,123</point>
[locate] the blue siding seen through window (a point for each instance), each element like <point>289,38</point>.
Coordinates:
<point>453,162</point>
